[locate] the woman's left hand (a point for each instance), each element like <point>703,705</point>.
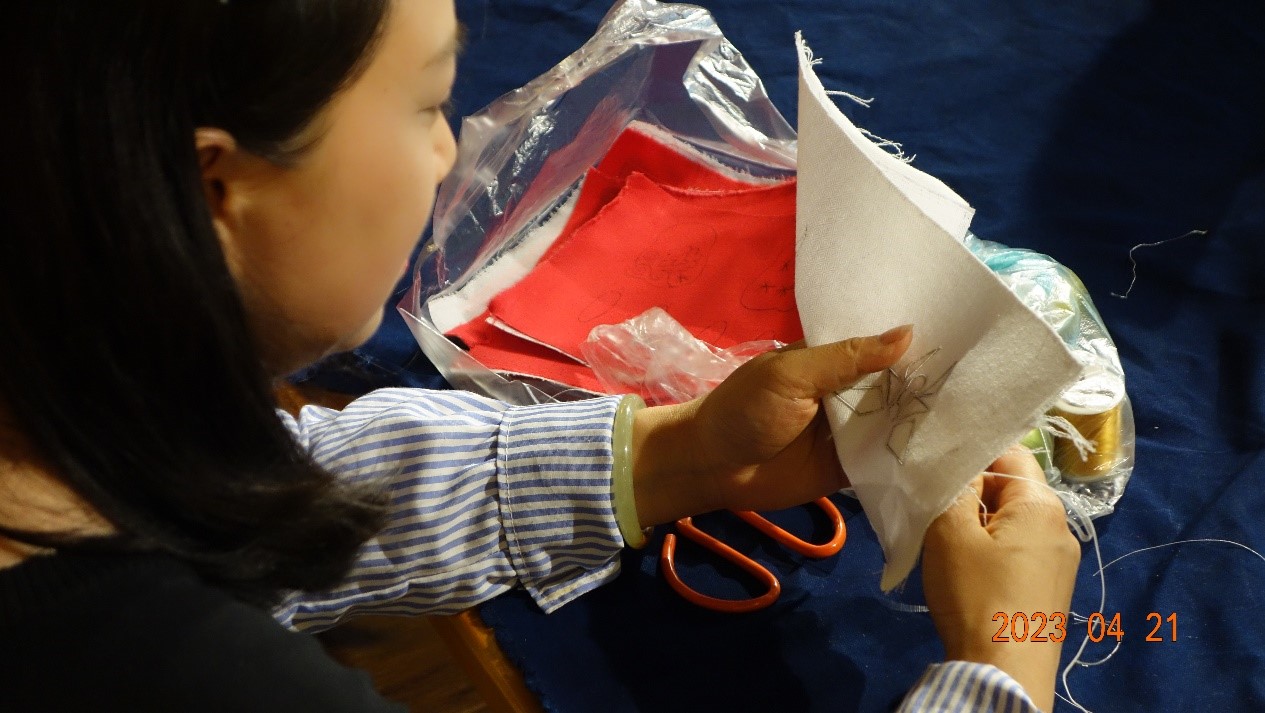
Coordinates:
<point>760,440</point>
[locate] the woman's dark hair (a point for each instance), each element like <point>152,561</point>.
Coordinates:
<point>126,360</point>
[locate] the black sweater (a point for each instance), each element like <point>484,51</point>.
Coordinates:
<point>144,633</point>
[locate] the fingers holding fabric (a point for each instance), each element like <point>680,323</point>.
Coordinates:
<point>760,439</point>
<point>1002,545</point>
<point>814,372</point>
<point>961,520</point>
<point>1017,495</point>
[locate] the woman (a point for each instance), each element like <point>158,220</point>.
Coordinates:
<point>202,196</point>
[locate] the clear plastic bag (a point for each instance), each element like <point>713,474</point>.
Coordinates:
<point>522,158</point>
<point>1086,443</point>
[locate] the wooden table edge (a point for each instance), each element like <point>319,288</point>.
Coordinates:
<point>474,646</point>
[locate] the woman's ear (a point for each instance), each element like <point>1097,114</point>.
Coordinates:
<point>221,167</point>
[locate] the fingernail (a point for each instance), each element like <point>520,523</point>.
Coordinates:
<point>892,336</point>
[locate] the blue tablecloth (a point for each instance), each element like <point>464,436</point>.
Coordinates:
<point>1079,129</point>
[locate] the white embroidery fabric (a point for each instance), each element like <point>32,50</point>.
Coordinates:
<point>877,246</point>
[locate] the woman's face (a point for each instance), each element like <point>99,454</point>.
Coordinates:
<point>317,247</point>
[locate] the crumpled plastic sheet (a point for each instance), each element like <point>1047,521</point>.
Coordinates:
<point>654,355</point>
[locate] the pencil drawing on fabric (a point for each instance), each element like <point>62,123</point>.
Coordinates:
<point>675,267</point>
<point>903,396</point>
<point>773,288</point>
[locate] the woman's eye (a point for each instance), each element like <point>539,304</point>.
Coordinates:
<point>445,108</point>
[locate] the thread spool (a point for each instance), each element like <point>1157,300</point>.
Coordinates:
<point>1093,406</point>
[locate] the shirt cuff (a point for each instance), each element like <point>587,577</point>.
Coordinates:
<point>554,466</point>
<point>955,686</point>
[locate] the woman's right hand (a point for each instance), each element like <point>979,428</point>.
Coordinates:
<point>1019,559</point>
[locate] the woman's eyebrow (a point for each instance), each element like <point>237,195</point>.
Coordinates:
<point>453,47</point>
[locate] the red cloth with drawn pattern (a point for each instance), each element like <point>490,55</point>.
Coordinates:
<point>721,263</point>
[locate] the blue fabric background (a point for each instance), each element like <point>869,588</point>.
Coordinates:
<point>1078,129</point>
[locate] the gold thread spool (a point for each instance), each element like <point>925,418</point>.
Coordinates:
<point>1101,428</point>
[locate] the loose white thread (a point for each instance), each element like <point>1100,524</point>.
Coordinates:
<point>808,51</point>
<point>906,608</point>
<point>892,147</point>
<point>895,148</point>
<point>840,93</point>
<point>1133,260</point>
<point>1062,428</point>
<point>1185,542</point>
<point>580,394</point>
<point>1082,526</point>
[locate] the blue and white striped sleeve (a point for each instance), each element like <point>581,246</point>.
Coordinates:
<point>483,497</point>
<point>957,686</point>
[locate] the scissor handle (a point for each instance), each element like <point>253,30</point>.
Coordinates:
<point>667,561</point>
<point>791,542</point>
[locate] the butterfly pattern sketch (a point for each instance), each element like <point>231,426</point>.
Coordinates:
<point>905,396</point>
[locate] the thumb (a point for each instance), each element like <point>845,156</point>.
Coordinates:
<point>961,519</point>
<point>814,372</point>
<point>1022,481</point>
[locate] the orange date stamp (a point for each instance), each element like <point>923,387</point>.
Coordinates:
<point>1040,627</point>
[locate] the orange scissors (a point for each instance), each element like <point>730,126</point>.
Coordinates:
<point>667,558</point>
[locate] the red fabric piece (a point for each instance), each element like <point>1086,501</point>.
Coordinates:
<point>721,263</point>
<point>597,192</point>
<point>502,351</point>
<point>636,152</point>
<point>768,200</point>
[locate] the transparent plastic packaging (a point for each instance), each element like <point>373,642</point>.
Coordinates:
<point>1086,442</point>
<point>522,159</point>
<point>653,355</point>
